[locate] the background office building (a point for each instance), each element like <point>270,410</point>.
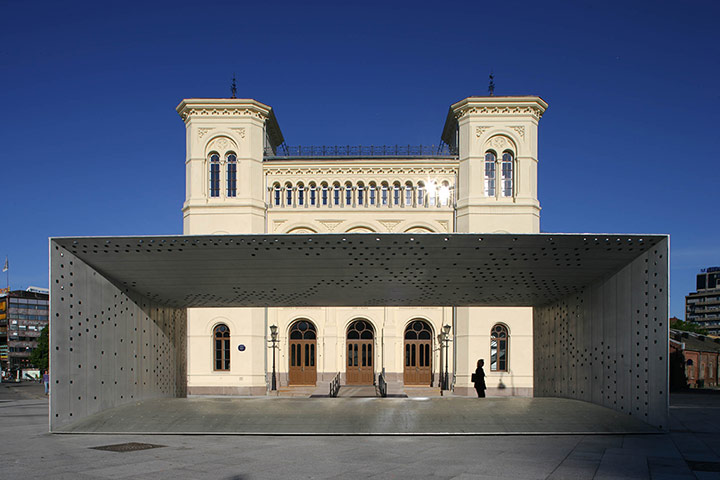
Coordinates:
<point>23,315</point>
<point>703,306</point>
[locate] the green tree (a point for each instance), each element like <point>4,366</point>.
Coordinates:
<point>677,324</point>
<point>39,356</point>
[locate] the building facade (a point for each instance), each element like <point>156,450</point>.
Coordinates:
<point>702,307</point>
<point>23,315</point>
<point>700,356</point>
<point>242,179</point>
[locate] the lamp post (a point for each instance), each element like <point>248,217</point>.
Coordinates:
<point>441,340</point>
<point>273,340</point>
<point>446,338</point>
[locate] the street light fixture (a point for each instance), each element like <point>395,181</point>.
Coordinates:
<point>446,339</point>
<point>274,341</point>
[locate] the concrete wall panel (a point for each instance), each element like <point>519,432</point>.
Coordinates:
<point>109,346</point>
<point>608,343</point>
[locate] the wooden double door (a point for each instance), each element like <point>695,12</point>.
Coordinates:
<point>303,354</point>
<point>418,353</point>
<point>360,351</point>
<point>360,362</point>
<point>418,369</point>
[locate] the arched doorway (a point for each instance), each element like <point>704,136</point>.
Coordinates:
<point>359,350</point>
<point>303,351</point>
<point>418,353</point>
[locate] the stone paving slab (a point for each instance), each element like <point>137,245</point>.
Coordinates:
<point>360,416</point>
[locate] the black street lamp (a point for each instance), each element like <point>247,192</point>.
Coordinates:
<point>446,339</point>
<point>274,341</point>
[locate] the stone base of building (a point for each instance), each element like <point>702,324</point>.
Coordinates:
<point>230,391</point>
<point>495,392</point>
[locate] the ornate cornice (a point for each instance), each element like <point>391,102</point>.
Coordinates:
<point>535,112</point>
<point>533,106</point>
<point>365,170</point>
<point>197,107</point>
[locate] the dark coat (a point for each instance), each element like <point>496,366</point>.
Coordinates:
<point>480,379</point>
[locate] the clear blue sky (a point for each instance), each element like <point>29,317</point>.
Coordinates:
<point>90,143</point>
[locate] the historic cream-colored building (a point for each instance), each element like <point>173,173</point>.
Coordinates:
<point>242,179</point>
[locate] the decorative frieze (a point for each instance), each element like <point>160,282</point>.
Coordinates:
<point>365,170</point>
<point>224,111</point>
<point>535,112</point>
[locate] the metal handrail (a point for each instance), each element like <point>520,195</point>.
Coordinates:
<point>335,385</point>
<point>382,384</point>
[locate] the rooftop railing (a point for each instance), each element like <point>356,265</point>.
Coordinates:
<point>441,150</point>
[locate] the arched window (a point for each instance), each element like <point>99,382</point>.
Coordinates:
<point>396,194</point>
<point>384,194</point>
<point>408,194</point>
<point>421,194</point>
<point>348,193</point>
<point>277,195</point>
<point>498,348</point>
<point>214,175</point>
<point>444,194</point>
<point>303,330</point>
<point>507,174</point>
<point>372,193</point>
<point>313,193</point>
<point>361,193</point>
<point>336,194</point>
<point>490,174</point>
<point>231,175</point>
<point>324,194</point>
<point>301,194</point>
<point>221,339</point>
<point>432,193</point>
<point>288,194</point>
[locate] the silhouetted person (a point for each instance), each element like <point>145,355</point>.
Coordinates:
<point>478,379</point>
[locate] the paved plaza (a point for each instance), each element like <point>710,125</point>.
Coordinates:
<point>690,450</point>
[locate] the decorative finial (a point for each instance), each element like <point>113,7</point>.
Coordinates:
<point>233,88</point>
<point>491,86</point>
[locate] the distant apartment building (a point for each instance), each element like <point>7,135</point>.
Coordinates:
<point>23,315</point>
<point>703,306</point>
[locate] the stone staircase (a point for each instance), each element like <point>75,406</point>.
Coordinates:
<point>358,391</point>
<point>321,389</point>
<point>414,392</point>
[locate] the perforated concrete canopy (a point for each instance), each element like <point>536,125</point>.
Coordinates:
<point>358,269</point>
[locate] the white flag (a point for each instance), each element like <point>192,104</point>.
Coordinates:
<point>5,267</point>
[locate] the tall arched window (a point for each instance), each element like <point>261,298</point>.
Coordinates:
<point>444,194</point>
<point>336,194</point>
<point>361,193</point>
<point>490,174</point>
<point>372,193</point>
<point>277,195</point>
<point>408,194</point>
<point>348,193</point>
<point>288,194</point>
<point>313,193</point>
<point>221,339</point>
<point>214,175</point>
<point>324,194</point>
<point>421,194</point>
<point>507,174</point>
<point>396,193</point>
<point>498,348</point>
<point>231,175</point>
<point>384,194</point>
<point>301,194</point>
